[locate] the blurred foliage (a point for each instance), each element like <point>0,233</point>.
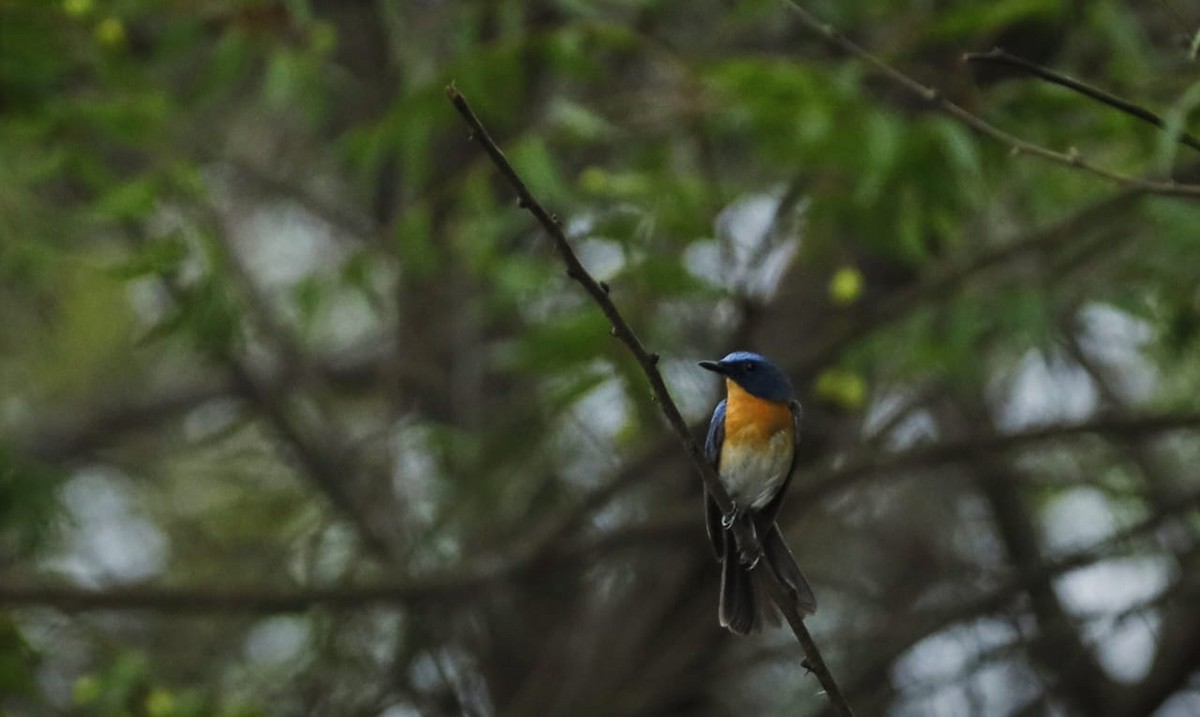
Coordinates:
<point>250,263</point>
<point>124,688</point>
<point>27,505</point>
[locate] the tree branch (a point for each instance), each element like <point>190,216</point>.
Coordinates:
<point>921,624</point>
<point>1017,145</point>
<point>463,583</point>
<point>649,364</point>
<point>77,432</point>
<point>1001,57</point>
<point>954,275</point>
<point>970,447</point>
<point>320,453</point>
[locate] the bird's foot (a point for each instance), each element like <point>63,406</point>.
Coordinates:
<point>731,517</point>
<point>749,560</point>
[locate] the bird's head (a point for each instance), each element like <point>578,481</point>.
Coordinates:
<point>758,376</point>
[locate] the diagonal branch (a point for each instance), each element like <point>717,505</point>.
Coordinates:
<point>649,364</point>
<point>1017,145</point>
<point>321,457</point>
<point>1001,57</point>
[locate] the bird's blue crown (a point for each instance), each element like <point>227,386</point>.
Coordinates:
<point>757,375</point>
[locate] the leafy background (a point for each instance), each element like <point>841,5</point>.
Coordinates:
<point>300,415</point>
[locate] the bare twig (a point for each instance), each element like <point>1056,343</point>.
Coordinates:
<point>1017,145</point>
<point>1002,57</point>
<point>649,364</point>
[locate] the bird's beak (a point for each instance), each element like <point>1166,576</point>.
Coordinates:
<point>713,366</point>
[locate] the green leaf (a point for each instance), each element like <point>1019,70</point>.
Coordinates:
<point>155,258</point>
<point>130,200</point>
<point>204,313</point>
<point>958,145</point>
<point>972,19</point>
<point>357,273</point>
<point>536,164</point>
<point>413,120</point>
<point>308,294</point>
<point>785,109</point>
<point>284,78</point>
<point>17,661</point>
<point>414,245</point>
<point>27,504</point>
<point>557,345</point>
<point>883,145</point>
<point>579,122</point>
<point>909,227</point>
<point>1174,125</point>
<point>227,64</point>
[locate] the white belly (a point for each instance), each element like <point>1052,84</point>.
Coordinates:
<point>753,476</point>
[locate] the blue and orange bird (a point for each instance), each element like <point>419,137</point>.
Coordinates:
<point>752,442</point>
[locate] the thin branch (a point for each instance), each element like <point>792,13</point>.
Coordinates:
<point>1103,549</point>
<point>599,293</point>
<point>1017,145</point>
<point>1057,645</point>
<point>193,600</point>
<point>954,275</point>
<point>971,447</point>
<point>1002,57</point>
<point>319,453</point>
<point>76,433</point>
<point>921,624</point>
<point>649,364</point>
<point>459,584</point>
<point>80,431</point>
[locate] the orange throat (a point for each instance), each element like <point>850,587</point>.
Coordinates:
<point>752,419</point>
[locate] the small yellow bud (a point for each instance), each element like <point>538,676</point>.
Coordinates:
<point>854,391</point>
<point>77,8</point>
<point>160,703</point>
<point>846,286</point>
<point>843,387</point>
<point>110,32</point>
<point>323,38</point>
<point>86,690</point>
<point>593,180</point>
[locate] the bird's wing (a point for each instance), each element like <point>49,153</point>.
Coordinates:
<point>765,517</point>
<point>712,451</point>
<point>716,435</point>
<point>775,549</point>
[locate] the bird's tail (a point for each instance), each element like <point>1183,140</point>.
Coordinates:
<point>739,610</point>
<point>779,556</point>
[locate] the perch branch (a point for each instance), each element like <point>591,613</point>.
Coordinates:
<point>649,364</point>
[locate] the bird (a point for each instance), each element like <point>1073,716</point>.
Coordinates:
<point>751,443</point>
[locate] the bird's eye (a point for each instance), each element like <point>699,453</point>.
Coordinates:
<point>749,367</point>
